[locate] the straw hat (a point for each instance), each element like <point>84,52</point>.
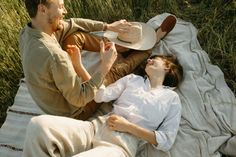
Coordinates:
<point>140,36</point>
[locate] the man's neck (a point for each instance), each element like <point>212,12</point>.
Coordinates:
<point>41,26</point>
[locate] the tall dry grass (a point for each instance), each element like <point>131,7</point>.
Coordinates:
<point>12,17</point>
<point>215,21</point>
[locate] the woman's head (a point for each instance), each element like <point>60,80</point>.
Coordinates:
<point>168,66</point>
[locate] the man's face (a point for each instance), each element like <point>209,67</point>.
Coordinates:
<point>55,14</point>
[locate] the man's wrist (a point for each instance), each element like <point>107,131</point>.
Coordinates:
<point>104,70</point>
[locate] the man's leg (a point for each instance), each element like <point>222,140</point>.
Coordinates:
<point>57,136</point>
<point>102,151</point>
<point>166,26</point>
<point>86,41</point>
<point>118,70</point>
<point>127,66</point>
<point>90,42</point>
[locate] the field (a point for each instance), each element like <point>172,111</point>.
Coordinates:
<point>215,21</point>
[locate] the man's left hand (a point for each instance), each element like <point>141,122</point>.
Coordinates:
<point>119,26</point>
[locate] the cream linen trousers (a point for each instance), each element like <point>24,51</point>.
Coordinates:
<point>65,137</point>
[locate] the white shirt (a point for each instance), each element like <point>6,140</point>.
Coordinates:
<point>157,109</point>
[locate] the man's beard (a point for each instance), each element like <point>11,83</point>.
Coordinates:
<point>58,27</point>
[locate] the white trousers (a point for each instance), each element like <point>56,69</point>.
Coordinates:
<point>54,136</point>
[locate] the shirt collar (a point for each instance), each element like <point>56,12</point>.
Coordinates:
<point>37,33</point>
<point>148,85</point>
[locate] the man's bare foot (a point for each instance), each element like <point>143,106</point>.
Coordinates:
<point>167,25</point>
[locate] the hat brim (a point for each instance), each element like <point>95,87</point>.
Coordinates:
<point>147,42</point>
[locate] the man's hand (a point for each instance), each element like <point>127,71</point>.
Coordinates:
<point>119,26</point>
<point>108,55</point>
<point>118,123</point>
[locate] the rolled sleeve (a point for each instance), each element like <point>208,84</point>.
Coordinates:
<point>97,79</point>
<point>164,139</point>
<point>113,91</point>
<point>78,24</point>
<point>89,25</point>
<point>74,90</point>
<point>166,133</point>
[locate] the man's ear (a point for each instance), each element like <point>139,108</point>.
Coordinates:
<point>42,9</point>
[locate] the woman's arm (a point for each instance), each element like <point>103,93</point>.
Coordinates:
<point>113,91</point>
<point>118,123</point>
<point>75,56</point>
<point>162,138</point>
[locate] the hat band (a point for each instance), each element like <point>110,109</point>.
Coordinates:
<point>124,41</point>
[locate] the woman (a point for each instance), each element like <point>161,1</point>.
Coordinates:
<point>146,109</point>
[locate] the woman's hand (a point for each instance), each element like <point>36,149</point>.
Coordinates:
<point>74,53</point>
<point>118,123</point>
<point>108,56</point>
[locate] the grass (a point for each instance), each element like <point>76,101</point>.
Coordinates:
<point>215,21</point>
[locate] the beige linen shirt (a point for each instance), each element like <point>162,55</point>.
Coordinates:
<point>49,73</point>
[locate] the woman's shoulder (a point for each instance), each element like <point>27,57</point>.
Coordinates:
<point>170,90</point>
<point>172,94</point>
<point>134,77</point>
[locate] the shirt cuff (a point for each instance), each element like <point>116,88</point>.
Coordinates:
<point>160,142</point>
<point>97,79</point>
<point>102,86</point>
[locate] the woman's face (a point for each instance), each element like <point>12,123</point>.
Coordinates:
<point>155,66</point>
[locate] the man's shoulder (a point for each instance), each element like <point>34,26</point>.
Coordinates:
<point>31,40</point>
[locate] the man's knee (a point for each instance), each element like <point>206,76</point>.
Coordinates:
<point>37,125</point>
<point>74,39</point>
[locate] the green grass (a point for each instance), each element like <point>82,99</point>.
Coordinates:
<point>215,21</point>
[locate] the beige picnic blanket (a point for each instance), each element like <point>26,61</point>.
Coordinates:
<point>208,122</point>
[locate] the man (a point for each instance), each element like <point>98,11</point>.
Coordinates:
<point>57,86</point>
<point>49,74</point>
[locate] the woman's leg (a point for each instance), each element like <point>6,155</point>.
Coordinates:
<point>57,136</point>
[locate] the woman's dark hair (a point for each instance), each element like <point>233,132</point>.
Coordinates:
<point>32,6</point>
<point>174,75</point>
